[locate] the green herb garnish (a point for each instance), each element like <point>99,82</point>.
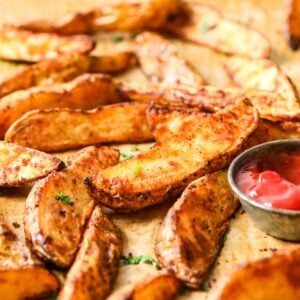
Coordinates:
<point>87,243</point>
<point>134,34</point>
<point>117,39</point>
<point>134,149</point>
<point>206,287</point>
<point>135,260</point>
<point>125,155</point>
<point>225,238</point>
<point>204,28</point>
<point>137,168</point>
<point>64,198</point>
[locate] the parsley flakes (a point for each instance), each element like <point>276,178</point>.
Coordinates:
<point>117,39</point>
<point>136,168</point>
<point>64,198</point>
<point>135,260</point>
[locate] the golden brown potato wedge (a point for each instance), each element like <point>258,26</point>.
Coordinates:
<point>161,62</point>
<point>164,170</point>
<point>21,275</point>
<point>84,92</point>
<point>22,45</point>
<point>58,206</point>
<point>20,165</point>
<point>192,232</point>
<point>149,14</point>
<point>96,265</point>
<point>270,105</point>
<point>63,69</point>
<point>272,278</point>
<point>293,24</point>
<point>160,287</point>
<point>124,122</point>
<point>262,74</point>
<point>202,24</point>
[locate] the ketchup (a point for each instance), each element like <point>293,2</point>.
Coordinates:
<point>273,180</point>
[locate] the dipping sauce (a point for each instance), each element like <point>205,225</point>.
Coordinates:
<point>273,179</point>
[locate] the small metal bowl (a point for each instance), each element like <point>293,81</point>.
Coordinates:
<point>277,222</point>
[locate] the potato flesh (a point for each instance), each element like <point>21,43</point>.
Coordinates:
<point>166,169</point>
<point>54,228</point>
<point>20,165</point>
<point>96,264</point>
<point>192,232</point>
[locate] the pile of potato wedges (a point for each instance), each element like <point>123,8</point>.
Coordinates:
<point>66,97</point>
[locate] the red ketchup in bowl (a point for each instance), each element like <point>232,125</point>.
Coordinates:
<point>273,179</point>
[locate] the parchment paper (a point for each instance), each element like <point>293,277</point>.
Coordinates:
<point>244,242</point>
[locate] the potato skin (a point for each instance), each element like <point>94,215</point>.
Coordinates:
<point>163,171</point>
<point>150,14</point>
<point>161,62</point>
<point>124,122</point>
<point>53,228</point>
<point>64,68</point>
<point>191,235</point>
<point>22,276</point>
<point>96,265</point>
<point>22,45</point>
<point>97,88</point>
<point>20,165</point>
<point>272,278</point>
<point>202,24</point>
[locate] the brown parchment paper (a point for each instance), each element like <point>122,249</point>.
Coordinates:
<point>244,242</point>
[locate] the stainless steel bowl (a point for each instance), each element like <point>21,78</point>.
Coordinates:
<point>279,223</point>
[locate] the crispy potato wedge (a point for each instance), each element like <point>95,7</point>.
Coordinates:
<point>58,207</point>
<point>84,92</point>
<point>22,45</point>
<point>161,62</point>
<point>293,24</point>
<point>164,170</point>
<point>160,287</point>
<point>202,24</point>
<point>262,74</point>
<point>22,276</point>
<point>191,235</point>
<point>124,122</point>
<point>149,14</point>
<point>96,265</point>
<point>270,105</point>
<point>273,278</point>
<point>63,69</point>
<point>20,165</point>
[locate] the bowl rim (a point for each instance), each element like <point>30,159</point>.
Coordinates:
<point>244,197</point>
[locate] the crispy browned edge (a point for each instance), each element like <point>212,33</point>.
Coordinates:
<point>293,24</point>
<point>274,277</point>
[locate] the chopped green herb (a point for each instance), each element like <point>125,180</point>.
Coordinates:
<point>225,238</point>
<point>64,198</point>
<point>134,149</point>
<point>135,260</point>
<point>137,168</point>
<point>134,34</point>
<point>87,243</point>
<point>53,296</point>
<point>117,39</point>
<point>125,155</point>
<point>204,28</point>
<point>206,287</point>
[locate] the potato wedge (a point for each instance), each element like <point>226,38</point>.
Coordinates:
<point>96,265</point>
<point>149,14</point>
<point>160,287</point>
<point>202,24</point>
<point>21,275</point>
<point>161,62</point>
<point>164,170</point>
<point>262,74</point>
<point>63,69</point>
<point>22,45</point>
<point>124,122</point>
<point>84,92</point>
<point>293,24</point>
<point>273,278</point>
<point>20,165</point>
<point>191,235</point>
<point>270,105</point>
<point>58,207</point>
